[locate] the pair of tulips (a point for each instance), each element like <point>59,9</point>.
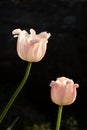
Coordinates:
<point>32,48</point>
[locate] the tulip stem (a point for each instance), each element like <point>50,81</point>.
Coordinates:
<point>12,125</point>
<point>59,117</point>
<point>15,94</point>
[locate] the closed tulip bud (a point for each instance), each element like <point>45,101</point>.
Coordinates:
<point>63,91</point>
<point>31,47</point>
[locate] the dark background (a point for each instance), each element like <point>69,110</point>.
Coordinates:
<point>66,55</point>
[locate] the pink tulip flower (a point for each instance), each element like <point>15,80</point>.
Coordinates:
<point>31,47</point>
<point>63,91</point>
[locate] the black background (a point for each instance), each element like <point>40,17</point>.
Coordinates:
<point>66,56</point>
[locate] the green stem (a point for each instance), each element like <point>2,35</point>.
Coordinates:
<point>59,117</point>
<point>4,112</point>
<point>12,125</point>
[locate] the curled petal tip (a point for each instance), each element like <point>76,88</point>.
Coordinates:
<point>16,31</point>
<point>14,35</point>
<point>76,85</point>
<point>48,35</point>
<point>32,31</point>
<point>52,83</point>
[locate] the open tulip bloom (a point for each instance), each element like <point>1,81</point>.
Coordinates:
<point>31,48</point>
<point>63,92</point>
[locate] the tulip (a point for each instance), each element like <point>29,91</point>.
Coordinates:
<point>31,47</point>
<point>63,91</point>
